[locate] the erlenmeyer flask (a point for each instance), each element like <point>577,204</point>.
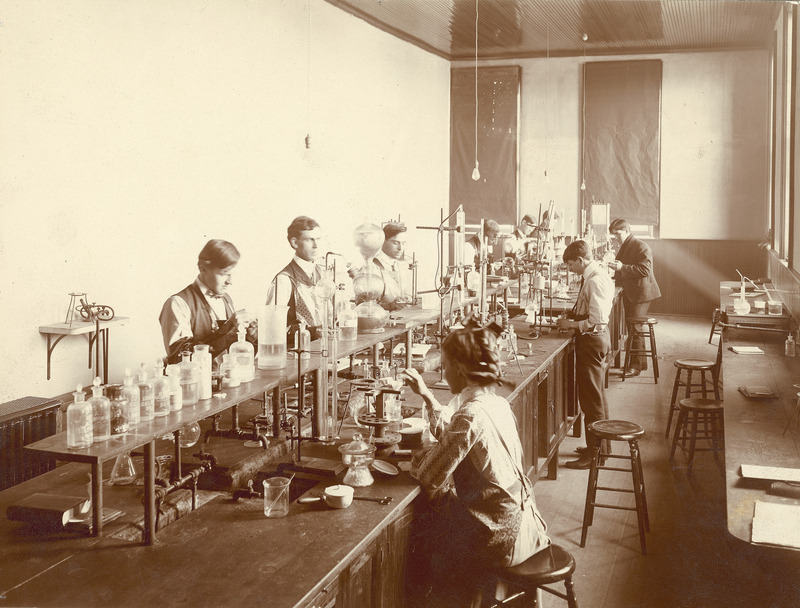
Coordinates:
<point>124,472</point>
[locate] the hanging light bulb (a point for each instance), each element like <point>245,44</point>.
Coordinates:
<point>476,174</point>
<point>546,177</point>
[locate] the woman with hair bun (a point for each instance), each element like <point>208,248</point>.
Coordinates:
<point>482,509</point>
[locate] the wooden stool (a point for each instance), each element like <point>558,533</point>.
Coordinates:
<point>549,565</point>
<point>708,374</point>
<point>693,412</point>
<point>617,430</point>
<point>644,328</point>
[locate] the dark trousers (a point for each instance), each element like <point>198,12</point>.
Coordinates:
<point>590,354</point>
<point>632,311</point>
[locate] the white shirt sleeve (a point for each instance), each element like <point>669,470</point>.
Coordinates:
<point>176,321</point>
<point>283,290</point>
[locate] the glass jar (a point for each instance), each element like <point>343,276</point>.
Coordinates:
<point>79,422</point>
<point>190,378</point>
<point>118,409</point>
<point>357,456</point>
<point>348,323</point>
<point>101,415</point>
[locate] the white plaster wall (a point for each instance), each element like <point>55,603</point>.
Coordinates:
<point>132,132</point>
<point>714,141</point>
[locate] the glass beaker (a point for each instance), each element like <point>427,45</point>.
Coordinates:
<point>272,336</point>
<point>775,307</point>
<point>276,496</point>
<point>123,473</point>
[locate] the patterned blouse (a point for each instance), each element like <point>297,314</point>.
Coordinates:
<point>491,492</point>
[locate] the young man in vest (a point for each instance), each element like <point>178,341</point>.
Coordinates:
<point>203,312</point>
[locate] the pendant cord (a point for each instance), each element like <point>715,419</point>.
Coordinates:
<point>476,83</point>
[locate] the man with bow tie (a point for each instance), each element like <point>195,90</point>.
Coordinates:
<point>203,312</point>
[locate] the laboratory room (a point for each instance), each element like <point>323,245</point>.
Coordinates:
<point>399,303</point>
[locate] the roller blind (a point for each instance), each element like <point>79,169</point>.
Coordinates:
<point>622,138</point>
<point>494,196</point>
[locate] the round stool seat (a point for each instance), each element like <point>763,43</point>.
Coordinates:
<point>697,404</point>
<point>642,320</point>
<point>618,430</point>
<point>694,364</point>
<point>549,565</point>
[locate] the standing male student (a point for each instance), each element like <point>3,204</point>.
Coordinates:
<point>592,341</point>
<point>634,273</point>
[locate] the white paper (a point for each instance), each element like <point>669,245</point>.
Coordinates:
<point>772,473</point>
<point>747,350</point>
<point>776,524</point>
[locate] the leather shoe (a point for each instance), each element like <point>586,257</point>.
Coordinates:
<point>631,373</point>
<point>582,463</point>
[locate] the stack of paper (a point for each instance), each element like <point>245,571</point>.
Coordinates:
<point>747,350</point>
<point>758,392</point>
<point>776,524</point>
<point>756,471</point>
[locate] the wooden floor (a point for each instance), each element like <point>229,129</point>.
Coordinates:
<point>692,560</point>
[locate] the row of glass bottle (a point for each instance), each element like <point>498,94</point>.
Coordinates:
<point>124,406</point>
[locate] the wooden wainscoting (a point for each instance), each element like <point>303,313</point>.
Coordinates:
<point>689,271</point>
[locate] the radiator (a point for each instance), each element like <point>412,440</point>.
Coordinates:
<point>24,421</point>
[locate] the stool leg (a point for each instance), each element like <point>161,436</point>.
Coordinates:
<point>644,494</point>
<point>627,363</point>
<point>654,353</point>
<point>692,439</point>
<point>688,384</point>
<point>673,402</point>
<point>703,383</point>
<point>572,601</point>
<point>637,492</point>
<point>591,494</point>
<point>678,424</point>
<point>715,380</point>
<point>713,418</point>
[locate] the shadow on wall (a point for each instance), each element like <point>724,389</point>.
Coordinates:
<point>689,272</point>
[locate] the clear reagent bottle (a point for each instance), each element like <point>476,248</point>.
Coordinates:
<point>80,431</point>
<point>101,413</point>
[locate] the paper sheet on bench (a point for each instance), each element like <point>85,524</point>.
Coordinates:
<point>776,524</point>
<point>773,473</point>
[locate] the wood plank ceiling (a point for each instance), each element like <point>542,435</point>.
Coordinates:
<point>534,28</point>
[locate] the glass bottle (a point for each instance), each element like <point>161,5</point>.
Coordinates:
<point>131,393</point>
<point>230,375</point>
<point>118,407</point>
<point>101,413</point>
<point>175,390</point>
<point>161,390</point>
<point>243,356</point>
<point>348,323</point>
<point>145,395</point>
<point>79,421</point>
<point>190,378</point>
<point>302,341</point>
<point>202,356</point>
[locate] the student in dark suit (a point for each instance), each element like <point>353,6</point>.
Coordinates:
<point>634,273</point>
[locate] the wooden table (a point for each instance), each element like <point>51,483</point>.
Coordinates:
<point>729,293</point>
<point>144,435</point>
<point>757,432</point>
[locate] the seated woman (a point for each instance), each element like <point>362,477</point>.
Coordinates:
<point>203,313</point>
<point>487,516</point>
